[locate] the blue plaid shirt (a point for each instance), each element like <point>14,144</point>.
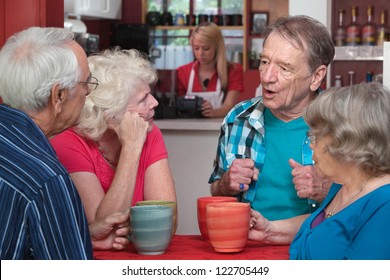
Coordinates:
<point>242,136</point>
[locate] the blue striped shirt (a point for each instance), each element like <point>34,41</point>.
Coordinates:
<point>42,216</point>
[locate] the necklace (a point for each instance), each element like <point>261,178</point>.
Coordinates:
<point>101,151</point>
<point>332,212</point>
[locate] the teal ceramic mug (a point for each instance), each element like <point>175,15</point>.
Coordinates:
<point>151,228</point>
<point>171,204</point>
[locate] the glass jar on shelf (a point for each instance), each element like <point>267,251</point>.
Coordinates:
<point>338,82</point>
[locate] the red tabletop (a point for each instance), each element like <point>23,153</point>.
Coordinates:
<point>194,247</point>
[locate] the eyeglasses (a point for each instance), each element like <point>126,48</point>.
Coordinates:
<point>312,137</point>
<point>92,83</point>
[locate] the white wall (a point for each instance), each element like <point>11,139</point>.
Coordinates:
<point>191,145</point>
<point>318,9</point>
<point>386,64</point>
<point>191,156</point>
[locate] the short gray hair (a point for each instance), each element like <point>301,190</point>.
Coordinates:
<point>120,74</point>
<point>32,62</point>
<point>307,34</point>
<point>357,118</point>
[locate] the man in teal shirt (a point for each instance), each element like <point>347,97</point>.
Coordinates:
<point>263,154</point>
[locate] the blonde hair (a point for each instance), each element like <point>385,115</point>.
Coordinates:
<point>209,33</point>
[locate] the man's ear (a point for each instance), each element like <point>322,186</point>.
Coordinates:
<point>318,77</point>
<point>58,97</point>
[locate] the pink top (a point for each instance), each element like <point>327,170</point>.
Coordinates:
<point>235,79</point>
<point>78,154</point>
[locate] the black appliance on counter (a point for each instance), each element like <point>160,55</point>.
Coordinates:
<point>189,106</point>
<point>181,107</point>
<point>131,36</point>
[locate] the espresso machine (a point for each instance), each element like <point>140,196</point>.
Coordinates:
<point>89,42</point>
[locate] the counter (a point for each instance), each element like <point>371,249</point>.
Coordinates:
<point>190,124</point>
<point>192,145</point>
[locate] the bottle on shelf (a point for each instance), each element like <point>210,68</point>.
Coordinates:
<point>369,29</point>
<point>369,77</point>
<point>338,82</point>
<point>340,32</point>
<point>353,37</point>
<point>383,30</point>
<point>351,77</point>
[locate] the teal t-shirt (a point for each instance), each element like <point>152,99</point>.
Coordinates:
<point>276,197</point>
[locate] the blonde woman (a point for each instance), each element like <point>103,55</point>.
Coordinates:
<point>211,76</point>
<point>116,156</point>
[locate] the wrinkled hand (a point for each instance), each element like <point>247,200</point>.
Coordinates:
<point>111,232</point>
<point>308,183</point>
<point>258,227</point>
<point>241,172</point>
<point>131,129</point>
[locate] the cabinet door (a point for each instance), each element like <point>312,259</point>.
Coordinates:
<point>359,59</point>
<point>16,15</point>
<point>2,21</point>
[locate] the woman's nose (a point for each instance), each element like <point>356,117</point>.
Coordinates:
<point>153,102</point>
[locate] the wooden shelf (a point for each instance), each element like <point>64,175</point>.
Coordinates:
<point>254,36</point>
<point>360,58</point>
<point>242,28</point>
<point>359,53</point>
<point>181,27</point>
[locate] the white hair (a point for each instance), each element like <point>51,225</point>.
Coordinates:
<point>120,74</point>
<point>32,62</point>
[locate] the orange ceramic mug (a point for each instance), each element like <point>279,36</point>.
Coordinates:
<point>201,206</point>
<point>228,225</point>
